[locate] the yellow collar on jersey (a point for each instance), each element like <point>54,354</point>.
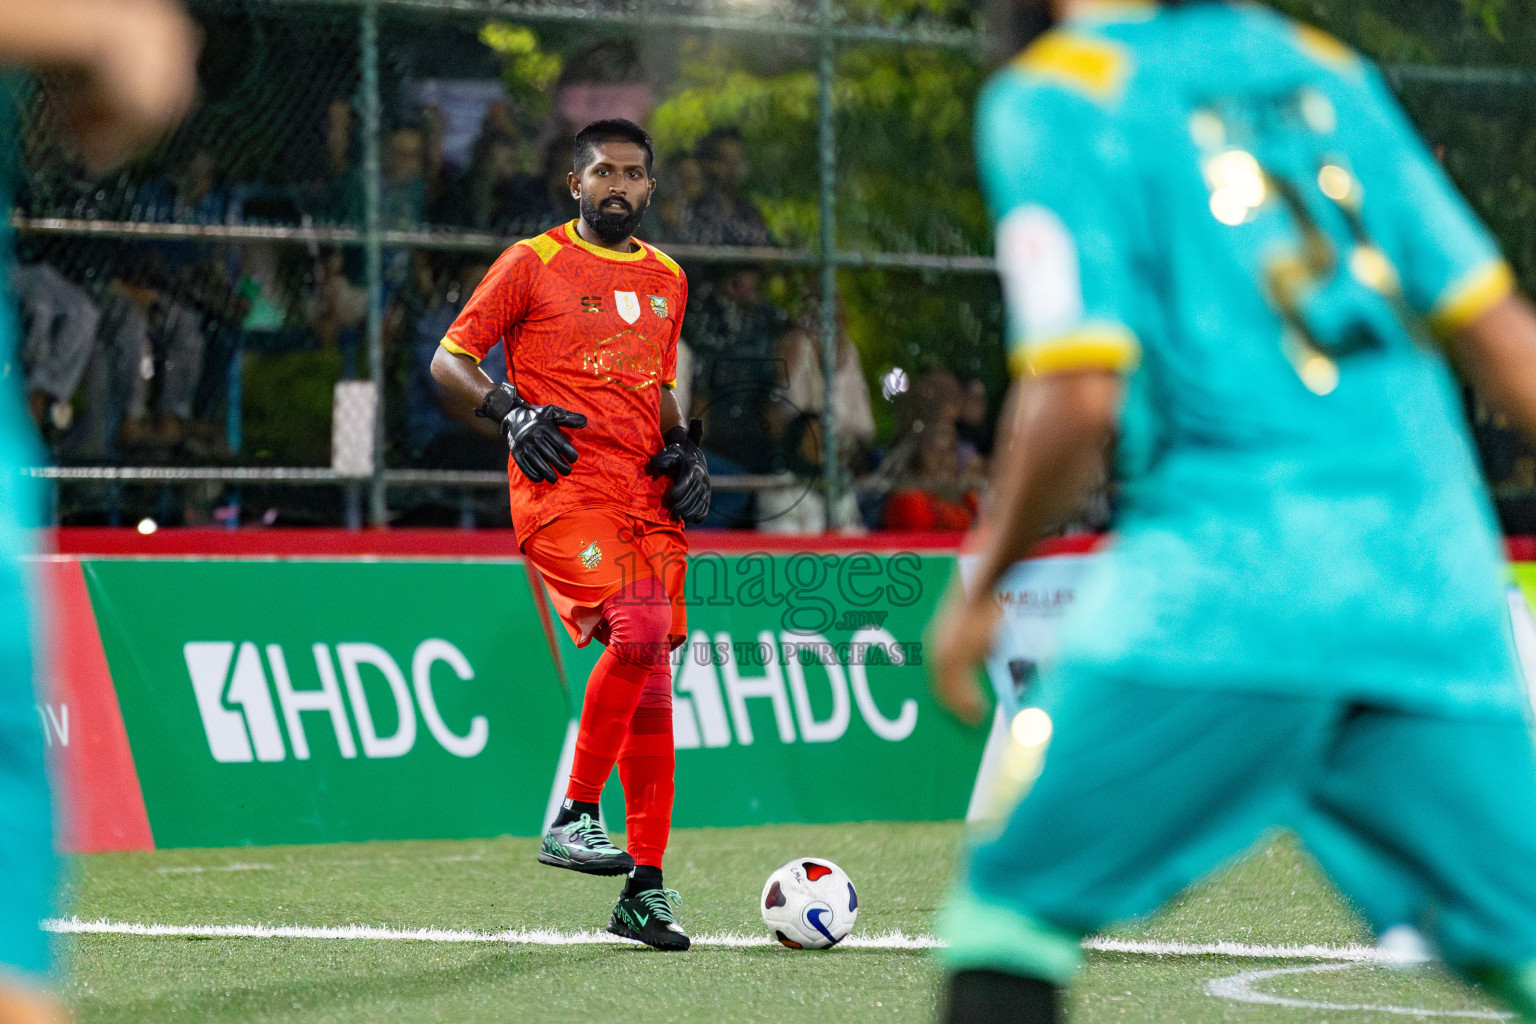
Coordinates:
<point>607,254</point>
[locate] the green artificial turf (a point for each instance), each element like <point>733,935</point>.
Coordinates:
<point>902,871</point>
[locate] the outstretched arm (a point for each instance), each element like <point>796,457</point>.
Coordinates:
<point>1497,354</point>
<point>134,58</point>
<point>1053,452</point>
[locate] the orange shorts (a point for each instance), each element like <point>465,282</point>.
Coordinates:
<point>589,554</point>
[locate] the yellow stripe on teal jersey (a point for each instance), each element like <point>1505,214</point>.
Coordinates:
<point>1094,346</point>
<point>1472,295</point>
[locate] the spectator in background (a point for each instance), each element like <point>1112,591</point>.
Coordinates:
<point>976,428</point>
<point>934,495</point>
<point>338,305</point>
<point>724,214</point>
<point>60,323</point>
<point>922,469</point>
<point>410,166</point>
<point>487,194</point>
<point>735,335</point>
<point>673,210</point>
<point>145,333</point>
<point>190,192</point>
<point>196,284</point>
<point>445,434</point>
<point>411,172</point>
<point>539,200</point>
<point>934,397</point>
<point>796,418</point>
<point>161,303</point>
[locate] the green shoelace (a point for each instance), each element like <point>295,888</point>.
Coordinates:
<point>591,833</point>
<point>660,902</point>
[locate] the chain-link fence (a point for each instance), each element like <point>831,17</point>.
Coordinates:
<point>353,167</point>
<point>200,322</point>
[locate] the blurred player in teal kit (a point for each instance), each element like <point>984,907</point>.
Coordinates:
<point>1224,247</point>
<point>130,66</point>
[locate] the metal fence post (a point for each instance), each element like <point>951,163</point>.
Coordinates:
<point>372,249</point>
<point>826,73</point>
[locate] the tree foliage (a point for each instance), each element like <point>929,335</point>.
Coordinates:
<point>905,170</point>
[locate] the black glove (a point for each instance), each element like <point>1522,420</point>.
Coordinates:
<point>538,445</point>
<point>683,460</point>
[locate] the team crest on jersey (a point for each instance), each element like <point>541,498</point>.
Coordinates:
<point>629,306</point>
<point>658,305</point>
<point>591,556</point>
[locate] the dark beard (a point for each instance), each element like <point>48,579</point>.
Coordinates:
<point>610,226</point>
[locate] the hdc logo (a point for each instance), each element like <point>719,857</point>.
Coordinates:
<point>711,690</point>
<point>241,720</point>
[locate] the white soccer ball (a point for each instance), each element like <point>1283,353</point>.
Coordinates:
<point>809,903</point>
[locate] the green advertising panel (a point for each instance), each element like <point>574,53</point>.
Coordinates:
<point>801,695</point>
<point>1524,575</point>
<point>303,701</point>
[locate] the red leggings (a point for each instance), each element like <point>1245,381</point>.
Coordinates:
<point>627,717</point>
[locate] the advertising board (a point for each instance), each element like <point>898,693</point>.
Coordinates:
<point>801,693</point>
<point>311,701</point>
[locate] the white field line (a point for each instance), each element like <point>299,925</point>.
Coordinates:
<point>548,937</point>
<point>1243,950</point>
<point>532,937</point>
<point>172,869</point>
<point>1239,988</point>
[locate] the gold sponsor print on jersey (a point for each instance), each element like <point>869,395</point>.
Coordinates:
<point>628,359</point>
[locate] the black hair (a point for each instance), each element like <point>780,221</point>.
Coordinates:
<point>611,129</point>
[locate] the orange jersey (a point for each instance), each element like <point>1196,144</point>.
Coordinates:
<point>593,331</point>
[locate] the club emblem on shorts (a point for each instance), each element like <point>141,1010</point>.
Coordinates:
<point>629,306</point>
<point>591,555</point>
<point>658,305</point>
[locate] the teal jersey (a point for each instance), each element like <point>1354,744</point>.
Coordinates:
<point>26,842</point>
<point>1231,210</point>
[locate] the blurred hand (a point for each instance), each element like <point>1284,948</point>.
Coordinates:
<point>139,84</point>
<point>960,638</point>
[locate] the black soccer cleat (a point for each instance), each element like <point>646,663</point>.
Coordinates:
<point>582,845</point>
<point>647,917</point>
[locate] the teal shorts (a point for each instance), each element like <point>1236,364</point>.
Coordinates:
<point>27,866</point>
<point>1421,820</point>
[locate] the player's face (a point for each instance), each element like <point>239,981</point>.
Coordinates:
<point>613,190</point>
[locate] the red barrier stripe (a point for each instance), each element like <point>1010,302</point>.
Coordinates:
<point>104,805</point>
<point>323,543</point>
<point>281,543</point>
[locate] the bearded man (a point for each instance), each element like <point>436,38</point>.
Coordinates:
<point>590,317</point>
